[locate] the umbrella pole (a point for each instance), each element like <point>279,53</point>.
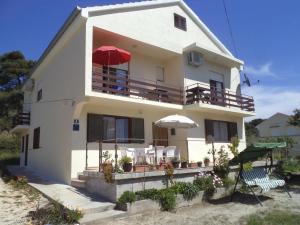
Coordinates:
<point>187,150</point>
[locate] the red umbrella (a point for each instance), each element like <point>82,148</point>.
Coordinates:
<point>110,55</point>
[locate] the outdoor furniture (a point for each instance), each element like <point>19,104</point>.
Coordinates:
<point>160,153</point>
<point>195,94</point>
<point>170,152</point>
<point>258,176</point>
<point>139,155</point>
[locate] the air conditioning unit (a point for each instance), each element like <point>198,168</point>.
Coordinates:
<point>195,58</point>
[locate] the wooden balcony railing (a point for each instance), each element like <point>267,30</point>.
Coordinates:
<point>124,86</point>
<point>22,118</point>
<point>205,94</point>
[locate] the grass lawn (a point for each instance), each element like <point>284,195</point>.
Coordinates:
<point>275,218</point>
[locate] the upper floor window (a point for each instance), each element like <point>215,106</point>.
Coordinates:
<point>39,95</point>
<point>179,22</point>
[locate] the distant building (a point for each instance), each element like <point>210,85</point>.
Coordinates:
<point>278,126</point>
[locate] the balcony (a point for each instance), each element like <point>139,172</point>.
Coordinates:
<point>124,85</point>
<point>21,122</point>
<point>204,94</point>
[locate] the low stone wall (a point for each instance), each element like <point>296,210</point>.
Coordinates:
<point>149,206</point>
<point>95,182</point>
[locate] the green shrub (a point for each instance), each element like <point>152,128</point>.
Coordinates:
<point>205,183</point>
<point>9,142</point>
<point>167,199</point>
<point>228,182</point>
<point>55,213</point>
<point>125,160</point>
<point>291,165</point>
<point>152,194</point>
<point>188,190</point>
<point>127,197</point>
<point>274,217</point>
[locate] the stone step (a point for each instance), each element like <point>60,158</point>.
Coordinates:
<point>98,207</point>
<point>101,217</point>
<point>78,183</point>
<point>81,176</point>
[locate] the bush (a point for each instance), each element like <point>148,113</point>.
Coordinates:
<point>152,194</point>
<point>127,197</point>
<point>167,199</point>
<point>290,166</point>
<point>228,182</point>
<point>125,160</point>
<point>9,142</point>
<point>205,183</point>
<point>188,190</point>
<point>55,213</point>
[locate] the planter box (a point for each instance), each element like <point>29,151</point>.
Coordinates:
<point>149,206</point>
<point>141,168</point>
<point>193,165</point>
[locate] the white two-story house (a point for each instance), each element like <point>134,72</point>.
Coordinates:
<point>177,66</point>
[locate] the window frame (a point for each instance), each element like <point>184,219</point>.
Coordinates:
<point>39,95</point>
<point>36,138</point>
<point>230,135</point>
<point>180,22</point>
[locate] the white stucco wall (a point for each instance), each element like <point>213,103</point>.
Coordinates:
<point>61,79</point>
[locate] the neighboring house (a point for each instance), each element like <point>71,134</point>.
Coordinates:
<point>68,102</point>
<point>278,126</point>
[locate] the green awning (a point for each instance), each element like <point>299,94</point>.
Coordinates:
<point>255,151</point>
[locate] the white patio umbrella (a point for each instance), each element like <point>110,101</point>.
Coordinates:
<point>177,121</point>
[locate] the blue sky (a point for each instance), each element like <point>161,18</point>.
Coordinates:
<point>266,34</point>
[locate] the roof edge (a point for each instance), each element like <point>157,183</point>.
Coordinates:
<point>76,11</point>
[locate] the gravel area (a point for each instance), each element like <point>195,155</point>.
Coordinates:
<point>220,211</point>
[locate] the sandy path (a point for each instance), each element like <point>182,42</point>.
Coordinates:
<point>14,205</point>
<point>217,213</point>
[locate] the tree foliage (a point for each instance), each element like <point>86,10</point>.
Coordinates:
<point>251,130</point>
<point>14,70</point>
<point>295,118</point>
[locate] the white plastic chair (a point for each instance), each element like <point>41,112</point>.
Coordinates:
<point>170,152</point>
<point>159,153</point>
<point>139,155</point>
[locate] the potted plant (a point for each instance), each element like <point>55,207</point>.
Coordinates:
<point>107,161</point>
<point>175,162</point>
<point>206,161</point>
<point>184,163</point>
<point>141,167</point>
<point>193,164</point>
<point>162,165</point>
<point>126,163</point>
<point>199,163</point>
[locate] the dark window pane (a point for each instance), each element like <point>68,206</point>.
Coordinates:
<point>208,128</point>
<point>137,130</point>
<point>94,127</point>
<point>232,130</point>
<point>39,95</point>
<point>179,22</point>
<point>109,129</point>
<point>36,138</point>
<point>122,129</point>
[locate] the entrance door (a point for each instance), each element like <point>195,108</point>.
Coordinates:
<point>26,149</point>
<point>160,135</point>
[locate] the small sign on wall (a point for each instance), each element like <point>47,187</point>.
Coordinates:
<point>76,125</point>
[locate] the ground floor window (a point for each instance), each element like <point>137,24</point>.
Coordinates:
<point>221,131</point>
<point>108,128</point>
<point>36,138</point>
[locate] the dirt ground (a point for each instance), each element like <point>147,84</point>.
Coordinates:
<point>220,212</point>
<point>15,205</point>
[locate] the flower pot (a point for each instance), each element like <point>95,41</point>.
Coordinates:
<point>141,168</point>
<point>184,164</point>
<point>127,167</point>
<point>199,164</point>
<point>175,164</point>
<point>161,166</point>
<point>206,163</point>
<point>193,165</point>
